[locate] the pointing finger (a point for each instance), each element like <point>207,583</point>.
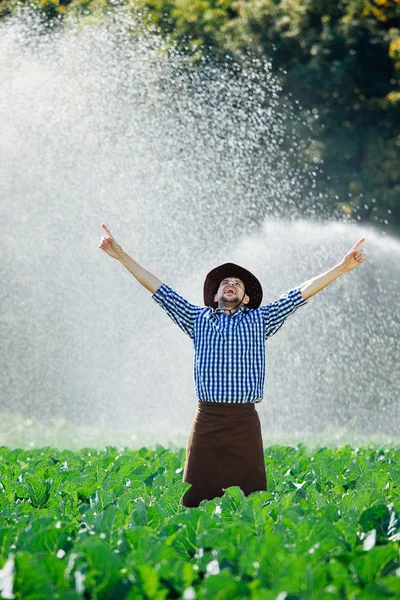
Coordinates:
<point>106,228</point>
<point>359,242</point>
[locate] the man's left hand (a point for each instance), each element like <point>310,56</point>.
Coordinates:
<point>355,257</point>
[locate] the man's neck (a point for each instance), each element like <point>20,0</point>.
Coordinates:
<point>227,311</point>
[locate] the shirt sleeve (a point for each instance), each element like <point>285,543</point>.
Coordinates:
<point>276,313</point>
<point>182,312</point>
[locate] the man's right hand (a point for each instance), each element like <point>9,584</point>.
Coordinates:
<point>109,245</point>
<point>147,279</point>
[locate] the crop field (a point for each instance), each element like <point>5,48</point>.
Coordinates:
<point>108,525</point>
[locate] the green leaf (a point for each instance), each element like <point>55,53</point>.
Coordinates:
<point>295,577</point>
<point>7,535</point>
<point>101,567</point>
<point>171,498</point>
<point>377,517</point>
<point>7,488</point>
<point>270,555</point>
<point>42,535</point>
<point>223,586</point>
<point>348,533</point>
<point>21,492</point>
<point>390,584</point>
<point>110,522</point>
<point>379,590</point>
<point>148,579</point>
<point>38,491</point>
<point>342,578</point>
<point>186,527</point>
<point>140,537</point>
<point>32,580</point>
<point>87,487</point>
<point>316,499</point>
<point>230,502</point>
<point>139,514</point>
<point>69,505</point>
<point>157,515</point>
<point>69,595</point>
<point>150,479</point>
<point>370,564</point>
<point>56,569</point>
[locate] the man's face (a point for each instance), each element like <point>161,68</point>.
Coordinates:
<point>231,290</point>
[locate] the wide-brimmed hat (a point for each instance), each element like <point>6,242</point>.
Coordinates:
<point>214,278</point>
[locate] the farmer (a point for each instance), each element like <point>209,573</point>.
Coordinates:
<point>225,445</point>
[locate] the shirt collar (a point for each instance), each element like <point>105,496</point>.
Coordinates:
<point>219,311</point>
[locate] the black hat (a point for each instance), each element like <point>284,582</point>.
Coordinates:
<point>214,278</point>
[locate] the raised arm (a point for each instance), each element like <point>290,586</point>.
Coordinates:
<point>112,248</point>
<point>351,260</point>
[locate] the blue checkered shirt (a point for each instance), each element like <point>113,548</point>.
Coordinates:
<point>229,350</point>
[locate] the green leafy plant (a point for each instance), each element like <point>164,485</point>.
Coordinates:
<point>106,524</point>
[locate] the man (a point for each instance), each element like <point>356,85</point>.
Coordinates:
<point>225,446</point>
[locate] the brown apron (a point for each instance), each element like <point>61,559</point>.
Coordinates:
<point>225,448</point>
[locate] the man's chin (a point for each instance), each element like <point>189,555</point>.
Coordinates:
<point>230,301</point>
